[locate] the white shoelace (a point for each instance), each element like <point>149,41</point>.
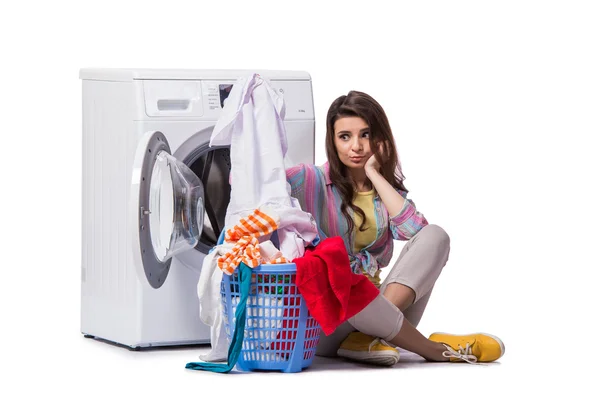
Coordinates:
<point>465,354</point>
<point>379,340</point>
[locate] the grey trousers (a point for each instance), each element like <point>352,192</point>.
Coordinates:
<point>418,267</point>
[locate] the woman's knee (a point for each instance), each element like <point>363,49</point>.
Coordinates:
<point>436,234</point>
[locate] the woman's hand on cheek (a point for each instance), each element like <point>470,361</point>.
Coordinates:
<point>372,165</point>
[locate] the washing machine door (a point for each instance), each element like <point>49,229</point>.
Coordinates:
<point>168,198</point>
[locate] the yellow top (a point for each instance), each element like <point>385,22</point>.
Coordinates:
<point>365,201</point>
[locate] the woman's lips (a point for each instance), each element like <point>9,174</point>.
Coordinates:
<point>356,159</point>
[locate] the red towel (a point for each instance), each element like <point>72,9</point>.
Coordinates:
<point>333,293</point>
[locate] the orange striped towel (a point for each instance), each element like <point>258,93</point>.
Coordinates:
<point>245,235</point>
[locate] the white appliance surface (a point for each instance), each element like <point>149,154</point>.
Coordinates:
<point>122,108</point>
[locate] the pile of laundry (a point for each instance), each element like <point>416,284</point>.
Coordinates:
<point>265,225</point>
<point>244,235</point>
<point>265,307</point>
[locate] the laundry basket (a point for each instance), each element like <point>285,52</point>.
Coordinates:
<point>280,333</point>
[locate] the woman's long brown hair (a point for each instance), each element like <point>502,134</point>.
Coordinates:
<point>358,104</point>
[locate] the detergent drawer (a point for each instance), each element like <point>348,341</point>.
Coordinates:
<point>173,98</point>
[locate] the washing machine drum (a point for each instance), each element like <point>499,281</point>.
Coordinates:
<point>212,165</point>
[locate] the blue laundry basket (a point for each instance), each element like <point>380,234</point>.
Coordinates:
<point>280,333</point>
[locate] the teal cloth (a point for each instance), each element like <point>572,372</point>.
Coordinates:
<point>235,347</point>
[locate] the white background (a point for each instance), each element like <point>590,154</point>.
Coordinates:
<point>495,107</point>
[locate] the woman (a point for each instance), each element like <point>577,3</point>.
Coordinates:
<point>363,180</point>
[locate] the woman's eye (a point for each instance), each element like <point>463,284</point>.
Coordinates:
<point>344,137</point>
<point>365,134</point>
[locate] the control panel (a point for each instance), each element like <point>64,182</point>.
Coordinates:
<point>204,99</point>
<point>296,94</point>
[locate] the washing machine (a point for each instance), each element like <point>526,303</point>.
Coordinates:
<point>155,194</point>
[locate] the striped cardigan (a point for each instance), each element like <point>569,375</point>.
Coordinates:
<point>316,194</point>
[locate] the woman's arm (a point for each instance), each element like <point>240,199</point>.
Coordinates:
<point>405,220</point>
<point>296,178</point>
<point>393,201</point>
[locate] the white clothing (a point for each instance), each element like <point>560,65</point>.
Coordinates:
<point>209,294</point>
<point>268,252</point>
<point>252,124</point>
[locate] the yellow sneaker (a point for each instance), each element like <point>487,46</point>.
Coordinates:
<point>368,349</point>
<point>477,347</point>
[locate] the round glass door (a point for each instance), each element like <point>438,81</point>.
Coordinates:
<point>170,209</point>
<point>176,207</point>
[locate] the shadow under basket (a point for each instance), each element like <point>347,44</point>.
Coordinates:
<point>280,333</point>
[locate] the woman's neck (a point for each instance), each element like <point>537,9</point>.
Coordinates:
<point>361,182</point>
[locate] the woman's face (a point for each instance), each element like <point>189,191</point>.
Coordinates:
<point>351,138</point>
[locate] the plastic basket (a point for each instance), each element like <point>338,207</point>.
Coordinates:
<point>280,333</point>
